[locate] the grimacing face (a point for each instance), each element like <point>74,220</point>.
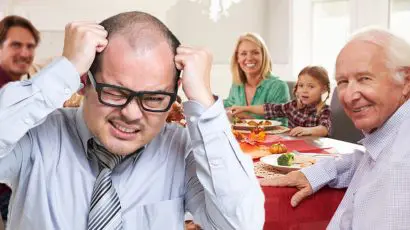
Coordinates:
<point>124,130</point>
<point>365,85</point>
<point>17,51</point>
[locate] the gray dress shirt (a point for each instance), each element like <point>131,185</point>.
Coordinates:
<point>199,169</point>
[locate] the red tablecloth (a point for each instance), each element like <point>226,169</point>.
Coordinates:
<point>313,213</point>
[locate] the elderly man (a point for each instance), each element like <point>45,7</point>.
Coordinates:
<point>18,41</point>
<point>114,163</point>
<point>373,83</point>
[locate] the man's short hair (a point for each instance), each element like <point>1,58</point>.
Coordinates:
<point>131,25</point>
<point>16,21</point>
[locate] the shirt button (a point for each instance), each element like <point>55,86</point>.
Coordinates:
<point>192,119</point>
<point>28,121</point>
<point>215,163</point>
<point>67,91</point>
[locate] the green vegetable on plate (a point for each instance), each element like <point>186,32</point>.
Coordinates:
<point>286,159</point>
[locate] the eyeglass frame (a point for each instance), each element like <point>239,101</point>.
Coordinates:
<point>99,86</point>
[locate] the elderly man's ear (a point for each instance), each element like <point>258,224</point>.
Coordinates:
<point>405,71</point>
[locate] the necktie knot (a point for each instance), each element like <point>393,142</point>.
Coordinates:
<point>104,157</point>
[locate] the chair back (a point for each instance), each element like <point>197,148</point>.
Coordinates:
<point>342,127</point>
<point>291,85</point>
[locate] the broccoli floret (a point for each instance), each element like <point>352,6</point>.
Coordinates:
<point>286,159</point>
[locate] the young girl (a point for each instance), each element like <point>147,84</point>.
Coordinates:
<point>307,114</point>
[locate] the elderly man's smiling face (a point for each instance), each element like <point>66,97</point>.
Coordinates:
<point>366,86</point>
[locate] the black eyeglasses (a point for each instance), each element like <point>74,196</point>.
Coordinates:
<point>117,96</point>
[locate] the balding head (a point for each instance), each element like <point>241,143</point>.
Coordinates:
<point>140,30</point>
<point>395,49</point>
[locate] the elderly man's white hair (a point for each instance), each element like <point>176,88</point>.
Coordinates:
<point>397,49</point>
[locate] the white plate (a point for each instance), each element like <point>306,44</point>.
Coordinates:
<point>272,160</point>
<point>245,126</point>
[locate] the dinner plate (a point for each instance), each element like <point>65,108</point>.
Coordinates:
<point>249,124</point>
<point>302,160</point>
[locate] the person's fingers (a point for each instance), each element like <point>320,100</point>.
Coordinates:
<point>101,45</point>
<point>293,132</point>
<point>181,58</point>
<point>180,61</point>
<point>179,65</point>
<point>183,49</point>
<point>236,111</point>
<point>299,196</point>
<point>279,181</point>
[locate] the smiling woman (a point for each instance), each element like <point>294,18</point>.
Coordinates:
<point>253,81</point>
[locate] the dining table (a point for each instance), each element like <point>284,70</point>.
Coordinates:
<point>315,212</point>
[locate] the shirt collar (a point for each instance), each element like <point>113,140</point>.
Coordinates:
<point>261,83</point>
<point>378,140</point>
<point>82,128</point>
<point>86,135</point>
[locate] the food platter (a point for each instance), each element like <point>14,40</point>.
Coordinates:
<point>249,124</point>
<point>301,161</point>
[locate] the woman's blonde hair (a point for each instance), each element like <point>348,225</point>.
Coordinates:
<point>320,74</point>
<point>238,76</point>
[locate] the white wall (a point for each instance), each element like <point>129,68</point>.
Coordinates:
<point>369,13</point>
<point>362,13</point>
<point>197,29</point>
<point>279,34</point>
<point>187,18</point>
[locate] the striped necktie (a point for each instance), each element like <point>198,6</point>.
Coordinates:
<point>105,209</point>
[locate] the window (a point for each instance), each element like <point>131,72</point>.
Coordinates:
<point>400,18</point>
<point>331,29</point>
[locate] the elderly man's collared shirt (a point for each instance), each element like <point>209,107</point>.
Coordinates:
<point>303,117</point>
<point>199,169</point>
<point>378,179</point>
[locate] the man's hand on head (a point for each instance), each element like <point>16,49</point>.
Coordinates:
<point>81,41</point>
<point>196,70</point>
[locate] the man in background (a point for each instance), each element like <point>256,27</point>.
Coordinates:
<point>18,41</point>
